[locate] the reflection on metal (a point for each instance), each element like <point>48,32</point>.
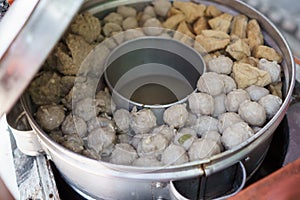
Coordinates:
<point>28,48</point>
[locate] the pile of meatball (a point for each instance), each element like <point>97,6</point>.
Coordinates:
<point>236,96</point>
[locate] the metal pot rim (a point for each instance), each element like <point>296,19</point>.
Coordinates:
<point>288,62</point>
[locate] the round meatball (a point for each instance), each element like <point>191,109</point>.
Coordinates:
<point>201,103</point>
<point>50,117</point>
<point>204,124</point>
<point>219,105</point>
<point>162,7</point>
<point>174,155</point>
<point>74,124</point>
<point>152,145</point>
<point>142,121</point>
<point>166,131</point>
<point>98,122</point>
<point>211,83</point>
<point>229,83</point>
<point>185,137</point>
<point>123,154</point>
<point>86,109</point>
<point>220,65</point>
<point>90,153</point>
<point>271,104</point>
<point>235,98</point>
<point>272,68</point>
<point>114,18</point>
<point>122,120</point>
<point>73,142</point>
<point>147,161</point>
<point>133,34</point>
<point>124,138</point>
<point>236,134</point>
<point>100,139</point>
<point>152,27</point>
<point>191,120</point>
<point>149,10</point>
<point>129,23</point>
<point>252,113</point>
<point>110,28</point>
<point>228,119</point>
<point>126,11</point>
<point>215,136</point>
<point>176,115</point>
<point>203,148</point>
<point>257,92</point>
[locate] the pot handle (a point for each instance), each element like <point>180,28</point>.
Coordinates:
<point>237,185</point>
<point>26,138</point>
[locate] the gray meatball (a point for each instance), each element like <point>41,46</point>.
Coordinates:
<point>110,28</point>
<point>152,145</point>
<point>176,115</point>
<point>203,148</point>
<point>100,139</point>
<point>272,68</point>
<point>185,137</point>
<point>149,10</point>
<point>86,109</point>
<point>100,122</point>
<point>215,136</point>
<point>162,7</point>
<point>50,117</point>
<point>136,139</point>
<point>124,138</point>
<point>147,161</point>
<point>211,83</point>
<point>271,104</point>
<point>133,34</point>
<point>114,18</point>
<point>130,23</point>
<point>57,136</point>
<point>252,113</point>
<point>73,142</point>
<point>229,83</point>
<point>126,11</point>
<point>123,154</point>
<point>153,27</point>
<point>220,65</point>
<point>174,155</point>
<point>235,98</point>
<point>257,92</point>
<point>90,153</point>
<point>219,105</point>
<point>191,120</point>
<point>201,103</point>
<point>122,120</point>
<point>142,121</point>
<point>143,19</point>
<point>236,134</point>
<point>166,131</point>
<point>204,124</point>
<point>74,124</point>
<point>228,119</point>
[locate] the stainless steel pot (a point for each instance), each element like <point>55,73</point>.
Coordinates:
<point>104,180</point>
